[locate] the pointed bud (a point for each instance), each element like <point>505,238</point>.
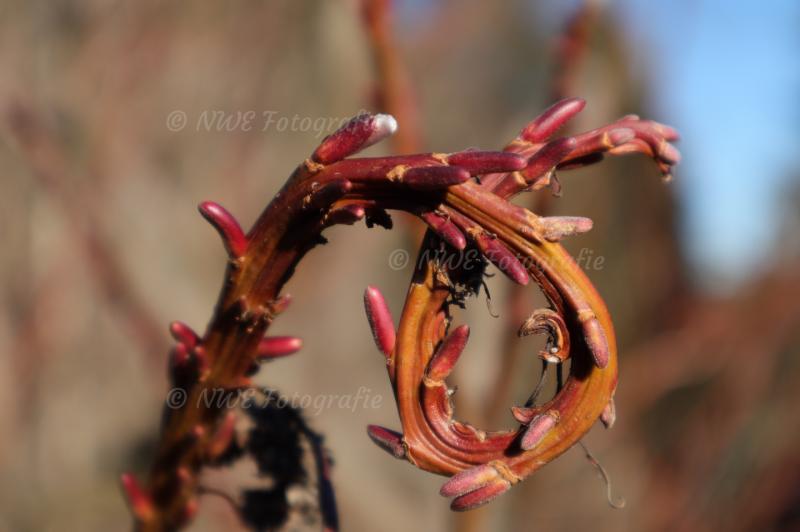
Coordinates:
<point>502,257</point>
<point>552,119</point>
<point>548,156</point>
<point>487,162</point>
<point>469,480</point>
<point>554,228</point>
<point>380,320</point>
<point>278,346</point>
<point>446,229</point>
<point>480,496</point>
<point>434,177</point>
<point>324,196</point>
<point>388,440</point>
<point>222,438</point>
<point>596,341</point>
<point>609,415</point>
<point>184,334</point>
<point>538,429</point>
<point>445,358</point>
<point>359,133</point>
<point>138,500</point>
<point>233,238</point>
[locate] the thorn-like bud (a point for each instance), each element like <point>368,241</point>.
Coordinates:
<point>233,238</point>
<point>223,437</point>
<point>434,177</point>
<point>469,480</point>
<point>359,133</point>
<point>278,346</point>
<point>552,119</point>
<point>554,228</point>
<point>538,429</point>
<point>324,196</point>
<point>480,496</point>
<point>609,415</point>
<point>499,255</point>
<point>184,334</point>
<point>487,162</point>
<point>445,358</point>
<point>388,440</point>
<point>596,341</point>
<point>380,320</point>
<point>446,229</point>
<point>139,501</point>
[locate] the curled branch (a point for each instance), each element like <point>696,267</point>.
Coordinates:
<point>464,199</point>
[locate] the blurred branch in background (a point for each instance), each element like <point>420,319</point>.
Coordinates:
<point>49,164</point>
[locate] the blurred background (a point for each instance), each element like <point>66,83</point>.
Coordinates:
<point>118,118</point>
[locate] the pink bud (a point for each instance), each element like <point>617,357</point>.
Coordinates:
<point>138,500</point>
<point>278,346</point>
<point>551,120</point>
<point>184,334</point>
<point>554,228</point>
<point>469,480</point>
<point>538,429</point>
<point>596,341</point>
<point>434,177</point>
<point>446,229</point>
<point>503,258</point>
<point>380,320</point>
<point>487,162</point>
<point>445,358</point>
<point>359,133</point>
<point>480,496</point>
<point>388,440</point>
<point>233,238</point>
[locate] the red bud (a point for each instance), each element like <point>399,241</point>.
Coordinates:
<point>359,133</point>
<point>233,238</point>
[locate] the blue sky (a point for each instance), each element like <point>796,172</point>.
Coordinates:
<point>727,74</point>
